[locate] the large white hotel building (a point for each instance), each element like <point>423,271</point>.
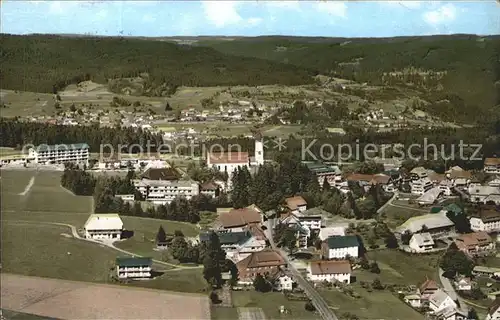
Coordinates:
<point>60,153</point>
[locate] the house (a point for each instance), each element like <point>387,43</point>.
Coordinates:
<point>331,271</point>
<point>126,197</point>
<point>282,280</point>
<point>429,196</point>
<point>418,173</point>
<point>437,224</point>
<point>492,165</point>
<point>209,189</point>
<point>451,313</point>
<point>101,226</point>
<point>133,268</point>
<point>479,194</point>
<point>420,186</point>
<point>340,247</point>
<point>464,284</point>
<point>302,232</point>
<point>165,191</point>
<point>413,300</point>
<point>332,174</point>
<point>331,231</point>
<point>60,153</point>
<point>486,271</point>
<point>475,244</point>
<point>427,288</point>
<point>494,310</point>
<point>486,219</point>
<point>421,242</point>
<point>312,218</point>
<point>296,204</point>
<point>383,180</point>
<point>238,219</point>
<point>361,179</point>
<point>262,262</point>
<point>440,300</point>
<point>237,245</point>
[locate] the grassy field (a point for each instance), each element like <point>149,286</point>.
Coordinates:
<point>270,303</point>
<point>40,249</point>
<point>12,315</point>
<point>223,313</point>
<point>398,267</point>
<point>371,305</point>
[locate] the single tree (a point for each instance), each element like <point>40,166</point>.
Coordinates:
<point>261,284</point>
<point>161,236</point>
<point>309,306</point>
<point>374,268</point>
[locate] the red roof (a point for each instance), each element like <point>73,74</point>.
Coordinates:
<point>228,157</point>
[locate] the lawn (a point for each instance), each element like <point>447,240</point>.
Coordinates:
<point>398,267</point>
<point>186,280</point>
<point>223,313</point>
<point>371,305</point>
<point>12,315</point>
<point>395,216</point>
<point>36,250</point>
<point>270,303</point>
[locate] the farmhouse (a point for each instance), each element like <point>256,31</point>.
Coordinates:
<point>340,247</point>
<point>237,219</point>
<point>475,244</point>
<point>262,262</point>
<point>331,271</point>
<point>61,153</point>
<point>437,224</point>
<point>296,204</point>
<point>492,165</point>
<point>103,227</point>
<point>165,191</point>
<point>421,242</point>
<point>486,219</point>
<point>133,268</point>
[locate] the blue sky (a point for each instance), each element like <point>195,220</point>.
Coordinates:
<point>251,18</point>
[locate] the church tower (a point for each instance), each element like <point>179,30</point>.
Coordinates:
<point>259,149</point>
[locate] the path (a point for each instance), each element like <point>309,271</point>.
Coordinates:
<point>75,235</point>
<point>388,203</point>
<point>316,299</point>
<point>251,314</point>
<point>450,290</point>
<point>28,187</point>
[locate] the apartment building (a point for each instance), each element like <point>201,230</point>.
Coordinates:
<point>475,244</point>
<point>340,247</point>
<point>103,226</point>
<point>492,165</point>
<point>60,153</point>
<point>133,268</point>
<point>332,174</point>
<point>487,219</point>
<point>165,191</point>
<point>420,186</point>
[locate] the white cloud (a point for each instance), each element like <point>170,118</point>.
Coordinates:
<point>443,14</point>
<point>221,13</point>
<point>334,8</point>
<point>404,4</point>
<point>101,14</point>
<point>254,21</point>
<point>287,4</point>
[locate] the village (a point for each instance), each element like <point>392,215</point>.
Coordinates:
<point>298,248</point>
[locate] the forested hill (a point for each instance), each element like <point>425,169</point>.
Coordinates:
<point>44,63</point>
<point>472,62</point>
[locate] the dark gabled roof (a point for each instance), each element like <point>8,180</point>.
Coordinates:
<point>161,174</point>
<point>62,147</point>
<point>133,262</point>
<point>494,306</point>
<point>336,242</point>
<point>228,237</point>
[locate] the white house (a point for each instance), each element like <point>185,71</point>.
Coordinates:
<point>340,247</point>
<point>421,242</point>
<point>133,268</point>
<point>439,300</point>
<point>237,245</point>
<point>60,153</point>
<point>451,313</point>
<point>165,191</point>
<point>282,280</point>
<point>103,227</point>
<point>494,310</point>
<point>420,186</point>
<point>312,218</point>
<point>487,220</point>
<point>338,230</point>
<point>414,300</point>
<point>464,284</point>
<point>331,271</point>
<point>296,204</point>
<point>479,194</point>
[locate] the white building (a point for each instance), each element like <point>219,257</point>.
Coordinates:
<point>60,153</point>
<point>451,313</point>
<point>479,194</point>
<point>437,224</point>
<point>486,220</point>
<point>312,218</point>
<point>237,245</point>
<point>296,204</point>
<point>331,231</point>
<point>420,186</point>
<point>331,271</point>
<point>494,310</point>
<point>103,227</point>
<point>421,242</point>
<point>439,300</point>
<point>492,165</point>
<point>340,247</point>
<point>165,191</point>
<point>283,281</point>
<point>133,268</point>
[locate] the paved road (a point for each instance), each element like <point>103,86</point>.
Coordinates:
<point>450,290</point>
<point>316,299</point>
<point>251,314</point>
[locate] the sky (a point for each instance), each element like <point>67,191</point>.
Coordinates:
<point>251,18</point>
